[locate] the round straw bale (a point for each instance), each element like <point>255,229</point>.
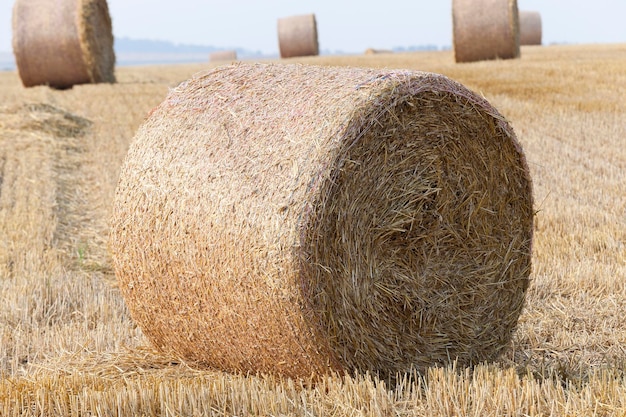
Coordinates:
<point>529,28</point>
<point>302,220</point>
<point>63,43</point>
<point>223,56</point>
<point>485,29</point>
<point>372,51</point>
<point>297,36</point>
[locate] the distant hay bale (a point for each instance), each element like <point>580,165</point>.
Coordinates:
<point>300,220</point>
<point>485,29</point>
<point>529,28</point>
<point>223,56</point>
<point>372,51</point>
<point>297,36</point>
<point>63,43</point>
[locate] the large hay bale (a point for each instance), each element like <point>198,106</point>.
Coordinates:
<point>529,28</point>
<point>300,220</point>
<point>218,56</point>
<point>62,43</point>
<point>485,29</point>
<point>297,36</point>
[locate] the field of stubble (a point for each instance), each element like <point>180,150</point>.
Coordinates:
<point>69,348</point>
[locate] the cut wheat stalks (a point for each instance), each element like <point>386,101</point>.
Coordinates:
<point>530,28</point>
<point>485,29</point>
<point>223,56</point>
<point>301,220</point>
<point>63,43</point>
<point>297,36</point>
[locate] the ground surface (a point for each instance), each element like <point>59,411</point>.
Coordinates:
<point>69,347</point>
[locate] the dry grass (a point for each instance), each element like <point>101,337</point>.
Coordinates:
<point>68,345</point>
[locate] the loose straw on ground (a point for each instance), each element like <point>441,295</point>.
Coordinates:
<point>63,43</point>
<point>297,36</point>
<point>530,28</point>
<point>301,220</point>
<point>485,29</point>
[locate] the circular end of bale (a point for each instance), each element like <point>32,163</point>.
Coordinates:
<point>530,28</point>
<point>96,40</point>
<point>63,43</point>
<point>301,220</point>
<point>297,36</point>
<point>485,30</point>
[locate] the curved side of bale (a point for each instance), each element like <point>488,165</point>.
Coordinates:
<point>63,43</point>
<point>223,56</point>
<point>485,29</point>
<point>350,220</point>
<point>297,36</point>
<point>530,28</point>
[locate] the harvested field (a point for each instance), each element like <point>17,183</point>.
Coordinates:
<point>68,345</point>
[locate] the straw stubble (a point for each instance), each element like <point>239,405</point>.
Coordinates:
<point>302,220</point>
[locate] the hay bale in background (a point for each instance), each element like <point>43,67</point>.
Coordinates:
<point>63,43</point>
<point>529,28</point>
<point>223,56</point>
<point>297,36</point>
<point>372,51</point>
<point>299,220</point>
<point>485,29</point>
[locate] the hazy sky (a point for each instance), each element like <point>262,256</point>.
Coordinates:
<point>350,26</point>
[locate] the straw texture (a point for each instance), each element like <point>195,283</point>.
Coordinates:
<point>297,36</point>
<point>63,43</point>
<point>485,29</point>
<point>223,56</point>
<point>302,220</point>
<point>530,28</point>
